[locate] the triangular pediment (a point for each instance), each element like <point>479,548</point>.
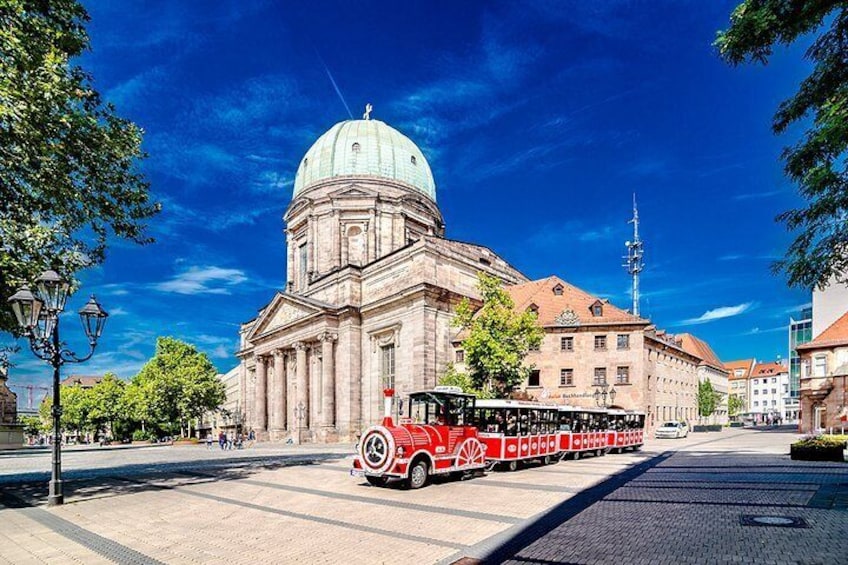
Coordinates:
<point>284,310</point>
<point>353,191</point>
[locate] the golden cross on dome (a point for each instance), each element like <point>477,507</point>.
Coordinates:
<point>367,114</point>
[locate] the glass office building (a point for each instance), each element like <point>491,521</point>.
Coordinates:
<point>800,331</point>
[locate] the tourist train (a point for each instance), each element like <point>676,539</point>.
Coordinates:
<point>446,431</point>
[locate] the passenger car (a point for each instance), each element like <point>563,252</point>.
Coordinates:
<point>672,430</point>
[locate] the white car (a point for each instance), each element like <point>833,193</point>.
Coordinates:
<point>672,430</point>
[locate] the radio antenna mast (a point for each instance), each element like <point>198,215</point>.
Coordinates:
<point>633,260</point>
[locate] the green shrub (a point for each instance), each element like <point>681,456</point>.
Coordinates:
<point>822,442</point>
<point>143,435</point>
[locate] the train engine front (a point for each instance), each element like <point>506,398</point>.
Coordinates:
<point>437,437</point>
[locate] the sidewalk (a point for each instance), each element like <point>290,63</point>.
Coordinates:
<point>723,497</point>
<point>720,500</point>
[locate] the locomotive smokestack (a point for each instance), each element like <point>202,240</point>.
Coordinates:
<point>388,401</point>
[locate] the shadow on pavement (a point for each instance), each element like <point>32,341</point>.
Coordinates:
<point>687,481</point>
<point>79,486</point>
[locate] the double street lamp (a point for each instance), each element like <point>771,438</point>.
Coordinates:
<point>604,396</point>
<point>38,316</point>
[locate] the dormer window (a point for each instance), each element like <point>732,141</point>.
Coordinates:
<point>533,308</point>
<point>413,160</point>
<point>305,162</point>
<point>597,309</point>
<point>355,147</point>
<point>558,290</point>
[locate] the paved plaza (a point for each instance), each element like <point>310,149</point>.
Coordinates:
<point>697,500</point>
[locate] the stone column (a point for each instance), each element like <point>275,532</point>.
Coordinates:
<point>328,381</point>
<point>290,267</point>
<point>372,236</point>
<point>279,421</point>
<point>261,416</point>
<point>343,244</point>
<point>302,406</point>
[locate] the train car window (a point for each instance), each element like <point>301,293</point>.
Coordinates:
<point>512,422</point>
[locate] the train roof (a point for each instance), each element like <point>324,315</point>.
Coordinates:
<point>510,403</point>
<point>567,408</point>
<point>451,390</point>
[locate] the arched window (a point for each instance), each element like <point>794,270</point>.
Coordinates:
<point>305,162</point>
<point>413,160</point>
<point>355,147</point>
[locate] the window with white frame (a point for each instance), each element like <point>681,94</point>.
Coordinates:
<point>387,365</point>
<point>820,366</point>
<point>600,376</point>
<point>566,377</point>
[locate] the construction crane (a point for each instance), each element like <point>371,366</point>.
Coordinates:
<point>30,389</point>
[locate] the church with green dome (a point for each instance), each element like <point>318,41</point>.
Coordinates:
<point>371,287</point>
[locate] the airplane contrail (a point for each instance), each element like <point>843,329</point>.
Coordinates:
<point>332,80</point>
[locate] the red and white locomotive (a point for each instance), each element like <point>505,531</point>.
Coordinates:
<point>438,437</point>
<point>448,431</point>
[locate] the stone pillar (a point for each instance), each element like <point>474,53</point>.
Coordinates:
<point>278,422</point>
<point>290,267</point>
<point>372,237</point>
<point>343,248</point>
<point>261,416</point>
<point>302,406</point>
<point>328,381</point>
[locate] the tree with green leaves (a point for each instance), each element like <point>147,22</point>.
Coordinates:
<point>497,338</point>
<point>453,377</point>
<point>33,426</point>
<point>176,386</point>
<point>706,399</point>
<point>735,405</point>
<point>107,403</point>
<point>817,163</point>
<point>69,179</point>
<point>76,410</point>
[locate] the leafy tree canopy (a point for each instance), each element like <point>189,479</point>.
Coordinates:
<point>177,385</point>
<point>68,174</point>
<point>498,338</point>
<point>817,163</point>
<point>76,409</point>
<point>734,405</point>
<point>706,398</point>
<point>107,401</point>
<point>453,377</point>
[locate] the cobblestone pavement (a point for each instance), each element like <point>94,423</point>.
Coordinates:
<point>676,501</point>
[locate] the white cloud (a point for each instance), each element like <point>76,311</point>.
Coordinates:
<point>203,280</point>
<point>720,313</point>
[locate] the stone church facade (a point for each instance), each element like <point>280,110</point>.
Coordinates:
<point>371,288</point>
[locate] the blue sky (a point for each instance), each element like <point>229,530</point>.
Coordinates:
<point>539,119</point>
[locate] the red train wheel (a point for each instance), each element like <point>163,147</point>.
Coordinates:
<point>471,453</point>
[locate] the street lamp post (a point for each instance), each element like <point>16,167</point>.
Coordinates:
<point>38,316</point>
<point>604,396</point>
<point>300,414</point>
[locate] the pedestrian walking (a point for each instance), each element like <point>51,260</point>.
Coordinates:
<point>222,440</point>
<point>209,441</point>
